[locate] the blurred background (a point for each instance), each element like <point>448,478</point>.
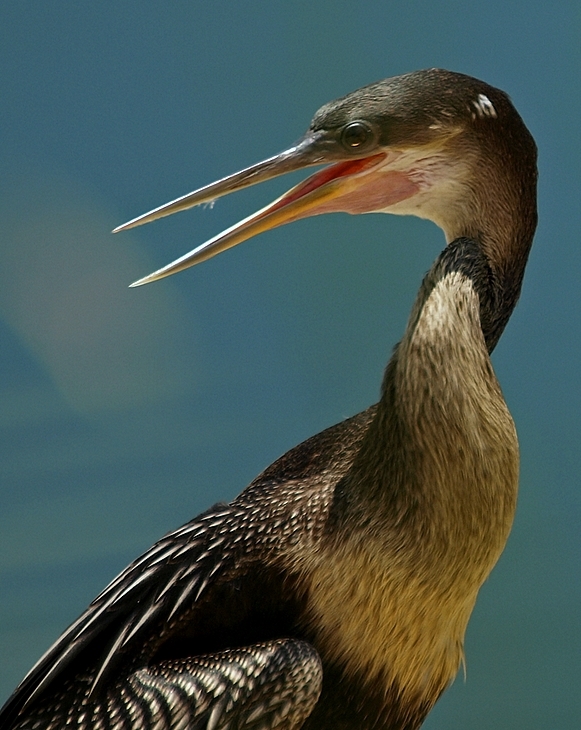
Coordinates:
<point>123,413</point>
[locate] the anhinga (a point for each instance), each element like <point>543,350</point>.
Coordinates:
<point>334,592</point>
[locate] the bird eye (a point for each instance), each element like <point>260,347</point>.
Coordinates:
<point>356,135</point>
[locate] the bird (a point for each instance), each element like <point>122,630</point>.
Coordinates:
<point>334,592</point>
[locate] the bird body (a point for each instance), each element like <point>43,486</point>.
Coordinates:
<point>335,591</point>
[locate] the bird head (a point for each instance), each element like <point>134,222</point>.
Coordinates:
<point>432,143</point>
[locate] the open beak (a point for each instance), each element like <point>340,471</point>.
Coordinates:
<point>320,193</point>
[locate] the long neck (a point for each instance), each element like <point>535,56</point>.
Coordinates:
<point>429,501</point>
<point>461,310</point>
<point>438,394</point>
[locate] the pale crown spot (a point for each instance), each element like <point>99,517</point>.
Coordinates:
<point>484,107</point>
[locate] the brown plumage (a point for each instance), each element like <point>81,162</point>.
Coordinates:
<point>334,592</point>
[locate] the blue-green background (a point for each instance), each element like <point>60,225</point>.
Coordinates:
<point>124,412</point>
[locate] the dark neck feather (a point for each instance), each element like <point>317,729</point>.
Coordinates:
<point>497,291</point>
<point>491,248</point>
<point>503,191</point>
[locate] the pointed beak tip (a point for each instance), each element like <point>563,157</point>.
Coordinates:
<point>123,227</point>
<point>141,282</point>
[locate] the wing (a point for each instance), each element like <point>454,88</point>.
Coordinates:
<point>209,588</point>
<point>272,685</point>
<point>117,624</point>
